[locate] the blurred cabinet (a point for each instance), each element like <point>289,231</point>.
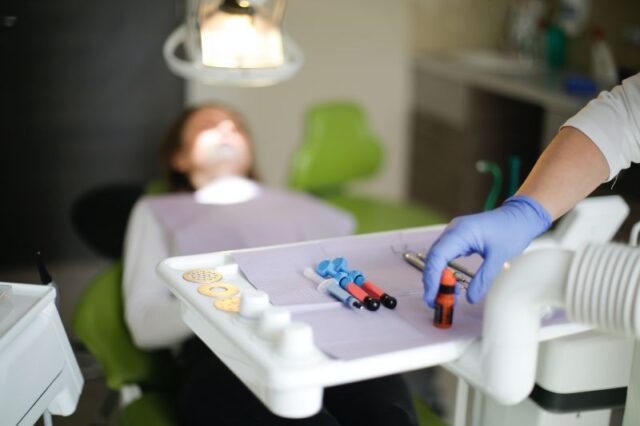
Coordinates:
<point>462,115</point>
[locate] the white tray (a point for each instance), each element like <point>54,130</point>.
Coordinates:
<point>292,385</point>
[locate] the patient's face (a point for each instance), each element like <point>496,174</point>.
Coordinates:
<point>213,145</point>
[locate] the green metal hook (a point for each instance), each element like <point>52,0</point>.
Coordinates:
<point>489,166</point>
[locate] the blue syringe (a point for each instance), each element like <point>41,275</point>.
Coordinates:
<point>331,286</point>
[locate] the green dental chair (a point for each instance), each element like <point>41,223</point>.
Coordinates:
<point>338,148</point>
<point>144,382</point>
<point>99,323</point>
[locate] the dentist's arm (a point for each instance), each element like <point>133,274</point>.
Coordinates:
<point>594,145</point>
<point>566,172</point>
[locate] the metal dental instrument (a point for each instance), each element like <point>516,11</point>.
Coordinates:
<point>414,260</point>
<point>458,268</point>
<point>461,269</point>
<point>417,260</point>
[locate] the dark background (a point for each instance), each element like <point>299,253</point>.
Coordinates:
<point>85,98</point>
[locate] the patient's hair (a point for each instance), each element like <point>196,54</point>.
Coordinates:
<point>176,180</point>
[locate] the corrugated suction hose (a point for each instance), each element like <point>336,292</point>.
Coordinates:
<point>603,288</point>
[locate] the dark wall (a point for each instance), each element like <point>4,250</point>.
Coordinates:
<point>85,98</point>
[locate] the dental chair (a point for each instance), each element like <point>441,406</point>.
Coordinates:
<point>338,148</point>
<point>142,381</point>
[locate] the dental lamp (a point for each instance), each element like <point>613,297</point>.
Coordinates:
<point>233,43</point>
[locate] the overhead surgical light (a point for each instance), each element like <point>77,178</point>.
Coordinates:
<point>233,43</point>
<point>234,36</point>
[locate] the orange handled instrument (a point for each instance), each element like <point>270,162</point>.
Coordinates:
<point>445,300</point>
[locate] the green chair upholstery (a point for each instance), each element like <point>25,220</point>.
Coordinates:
<point>339,147</point>
<point>99,324</point>
<point>156,187</point>
<point>376,215</point>
<point>425,415</point>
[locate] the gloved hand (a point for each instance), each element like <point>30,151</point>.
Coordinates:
<point>497,235</point>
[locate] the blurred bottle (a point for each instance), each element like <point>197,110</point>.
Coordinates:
<point>603,65</point>
<point>540,47</point>
<point>573,16</point>
<point>522,27</point>
<point>556,47</point>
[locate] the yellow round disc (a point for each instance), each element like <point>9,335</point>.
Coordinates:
<point>218,290</point>
<point>231,304</point>
<point>202,276</point>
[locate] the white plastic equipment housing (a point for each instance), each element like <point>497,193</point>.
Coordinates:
<point>38,370</point>
<point>296,341</point>
<point>593,220</point>
<point>252,304</point>
<point>598,286</point>
<point>512,320</point>
<point>584,362</point>
<point>272,321</point>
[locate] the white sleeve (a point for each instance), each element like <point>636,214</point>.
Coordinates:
<point>152,313</point>
<point>612,122</point>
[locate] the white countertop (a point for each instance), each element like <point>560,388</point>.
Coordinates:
<point>543,88</point>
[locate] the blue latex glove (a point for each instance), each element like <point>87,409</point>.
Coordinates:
<point>497,235</point>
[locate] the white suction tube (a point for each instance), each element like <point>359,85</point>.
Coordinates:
<point>598,285</point>
<point>512,320</point>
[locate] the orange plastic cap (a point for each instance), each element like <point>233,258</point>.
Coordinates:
<point>448,278</point>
